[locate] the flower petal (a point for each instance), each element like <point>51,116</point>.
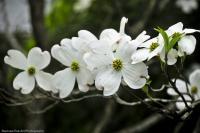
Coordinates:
<point>125,52</point>
<point>80,44</point>
<point>95,61</point>
<point>24,82</point>
<point>140,55</point>
<point>181,105</point>
<point>65,42</point>
<point>171,92</point>
<point>134,75</point>
<point>64,54</point>
<point>110,34</point>
<point>142,37</point>
<point>172,57</point>
<point>38,58</point>
<point>16,59</point>
<point>64,81</point>
<point>123,22</point>
<point>84,78</point>
<point>178,27</point>
<point>148,43</point>
<point>189,31</point>
<point>194,79</point>
<point>44,80</point>
<point>86,35</point>
<point>109,80</point>
<point>187,44</point>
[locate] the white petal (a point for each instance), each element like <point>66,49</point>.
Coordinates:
<point>44,80</point>
<point>100,46</point>
<point>140,55</point>
<point>188,31</point>
<point>16,59</point>
<point>84,78</point>
<point>171,92</point>
<point>125,52</point>
<point>80,44</point>
<point>110,34</point>
<point>65,42</point>
<point>109,80</point>
<point>24,82</point>
<point>172,57</point>
<point>38,58</point>
<point>133,75</point>
<point>86,35</point>
<point>181,85</point>
<point>123,22</point>
<point>148,43</point>
<point>181,105</point>
<point>156,51</point>
<point>95,61</point>
<point>194,79</point>
<point>64,82</point>
<point>178,27</point>
<point>64,54</point>
<point>187,44</point>
<point>142,37</point>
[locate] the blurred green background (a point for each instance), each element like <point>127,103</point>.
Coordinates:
<point>44,23</point>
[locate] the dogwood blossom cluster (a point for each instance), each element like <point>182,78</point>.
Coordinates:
<point>190,91</point>
<point>107,62</point>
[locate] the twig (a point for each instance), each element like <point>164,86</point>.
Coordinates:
<point>105,117</point>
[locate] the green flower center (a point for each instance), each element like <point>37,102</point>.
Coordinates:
<point>194,90</point>
<point>176,34</point>
<point>153,46</point>
<point>117,64</point>
<point>75,66</point>
<point>31,70</point>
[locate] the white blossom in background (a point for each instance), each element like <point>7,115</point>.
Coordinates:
<point>187,6</point>
<point>82,5</point>
<point>32,66</point>
<point>76,70</point>
<point>193,88</point>
<point>186,44</point>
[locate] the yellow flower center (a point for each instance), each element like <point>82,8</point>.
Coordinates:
<point>153,46</point>
<point>31,70</point>
<point>194,90</point>
<point>75,66</point>
<point>117,64</point>
<point>176,34</point>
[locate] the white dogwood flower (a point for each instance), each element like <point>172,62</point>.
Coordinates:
<point>32,66</point>
<point>114,66</point>
<point>64,80</point>
<point>186,44</point>
<point>147,50</point>
<point>193,87</point>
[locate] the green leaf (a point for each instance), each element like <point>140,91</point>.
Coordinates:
<point>145,89</point>
<point>165,37</point>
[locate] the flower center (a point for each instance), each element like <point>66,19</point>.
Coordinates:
<point>75,66</point>
<point>117,64</point>
<point>153,46</point>
<point>194,90</point>
<point>176,34</point>
<point>31,70</point>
